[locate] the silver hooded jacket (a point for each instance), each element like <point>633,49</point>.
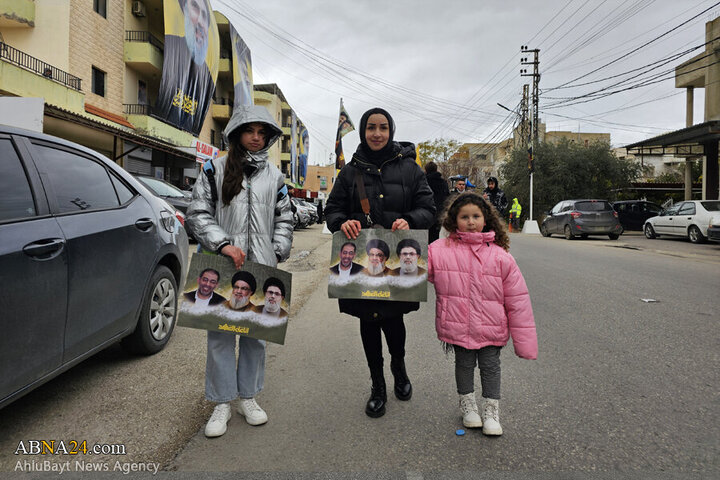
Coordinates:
<point>259,218</point>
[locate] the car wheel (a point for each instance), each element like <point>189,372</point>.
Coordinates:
<point>649,231</point>
<point>695,235</point>
<point>157,315</point>
<point>544,231</point>
<point>613,236</point>
<point>568,233</point>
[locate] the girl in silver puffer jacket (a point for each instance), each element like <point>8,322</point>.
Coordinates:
<point>250,218</point>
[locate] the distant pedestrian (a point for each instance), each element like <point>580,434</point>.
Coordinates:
<point>515,212</point>
<point>495,196</point>
<point>475,258</point>
<point>440,194</point>
<point>460,185</point>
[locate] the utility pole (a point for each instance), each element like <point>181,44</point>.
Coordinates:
<point>535,110</point>
<point>524,128</point>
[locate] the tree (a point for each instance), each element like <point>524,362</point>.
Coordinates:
<point>566,170</point>
<point>438,150</point>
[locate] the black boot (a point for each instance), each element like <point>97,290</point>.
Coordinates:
<point>403,388</point>
<point>375,407</point>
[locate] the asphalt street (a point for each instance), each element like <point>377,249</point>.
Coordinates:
<point>623,387</point>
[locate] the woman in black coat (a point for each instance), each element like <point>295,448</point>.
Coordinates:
<point>399,198</point>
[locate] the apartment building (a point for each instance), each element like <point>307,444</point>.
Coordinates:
<point>98,66</point>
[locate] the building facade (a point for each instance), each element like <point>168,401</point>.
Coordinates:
<point>97,65</point>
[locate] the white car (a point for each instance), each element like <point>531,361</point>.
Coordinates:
<point>689,219</point>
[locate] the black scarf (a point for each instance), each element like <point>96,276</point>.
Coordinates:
<point>372,156</point>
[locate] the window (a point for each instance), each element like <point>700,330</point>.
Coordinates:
<point>124,193</point>
<point>98,82</point>
<point>100,6</point>
<point>142,93</point>
<point>687,209</point>
<point>77,182</point>
<point>16,199</point>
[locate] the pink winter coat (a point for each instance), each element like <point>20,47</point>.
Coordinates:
<point>482,298</point>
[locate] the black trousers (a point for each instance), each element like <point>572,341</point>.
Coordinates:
<point>394,330</point>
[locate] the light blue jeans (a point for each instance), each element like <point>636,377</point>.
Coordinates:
<point>225,380</point>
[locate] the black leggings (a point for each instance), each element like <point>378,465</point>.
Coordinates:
<point>394,330</point>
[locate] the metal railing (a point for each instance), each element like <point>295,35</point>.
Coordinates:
<point>222,101</point>
<point>145,37</point>
<point>28,62</point>
<point>137,109</point>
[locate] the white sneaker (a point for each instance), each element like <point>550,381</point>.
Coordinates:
<point>469,410</point>
<point>217,425</point>
<point>491,417</point>
<point>254,415</point>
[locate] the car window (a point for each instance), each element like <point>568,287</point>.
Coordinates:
<point>687,208</point>
<point>598,206</point>
<point>161,188</point>
<point>556,208</point>
<point>620,207</point>
<point>673,210</point>
<point>566,206</point>
<point>123,191</point>
<point>711,206</point>
<point>79,183</point>
<point>16,199</point>
<point>649,207</point>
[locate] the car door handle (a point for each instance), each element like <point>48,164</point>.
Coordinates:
<point>144,224</point>
<point>44,249</point>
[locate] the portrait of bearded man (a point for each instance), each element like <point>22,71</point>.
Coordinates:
<point>409,252</point>
<point>378,252</point>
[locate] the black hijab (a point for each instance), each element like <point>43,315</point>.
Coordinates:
<point>376,157</point>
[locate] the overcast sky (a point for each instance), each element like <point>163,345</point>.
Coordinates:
<point>441,67</point>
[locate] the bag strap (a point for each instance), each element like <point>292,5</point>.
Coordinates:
<point>364,202</point>
<point>209,170</point>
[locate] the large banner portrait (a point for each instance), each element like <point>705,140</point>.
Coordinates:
<point>380,264</point>
<point>303,156</point>
<point>242,70</point>
<point>253,301</point>
<point>190,66</point>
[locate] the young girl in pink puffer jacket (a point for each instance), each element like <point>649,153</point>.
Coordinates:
<point>482,301</point>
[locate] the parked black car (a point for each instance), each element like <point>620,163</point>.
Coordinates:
<point>633,213</point>
<point>582,218</point>
<point>88,256</point>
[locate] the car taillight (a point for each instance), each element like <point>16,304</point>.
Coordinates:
<point>170,219</point>
<point>575,214</point>
<point>180,216</point>
<point>615,214</point>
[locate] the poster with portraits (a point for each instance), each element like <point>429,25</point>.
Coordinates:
<point>303,156</point>
<point>242,70</point>
<point>190,64</point>
<point>380,264</point>
<point>253,301</point>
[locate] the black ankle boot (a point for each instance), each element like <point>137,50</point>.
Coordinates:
<point>403,388</point>
<point>375,407</point>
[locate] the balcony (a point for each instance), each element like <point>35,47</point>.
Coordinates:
<point>143,52</point>
<point>23,75</point>
<point>221,112</point>
<point>146,123</point>
<point>224,65</point>
<point>18,13</point>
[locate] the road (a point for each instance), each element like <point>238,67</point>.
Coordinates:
<point>621,385</point>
